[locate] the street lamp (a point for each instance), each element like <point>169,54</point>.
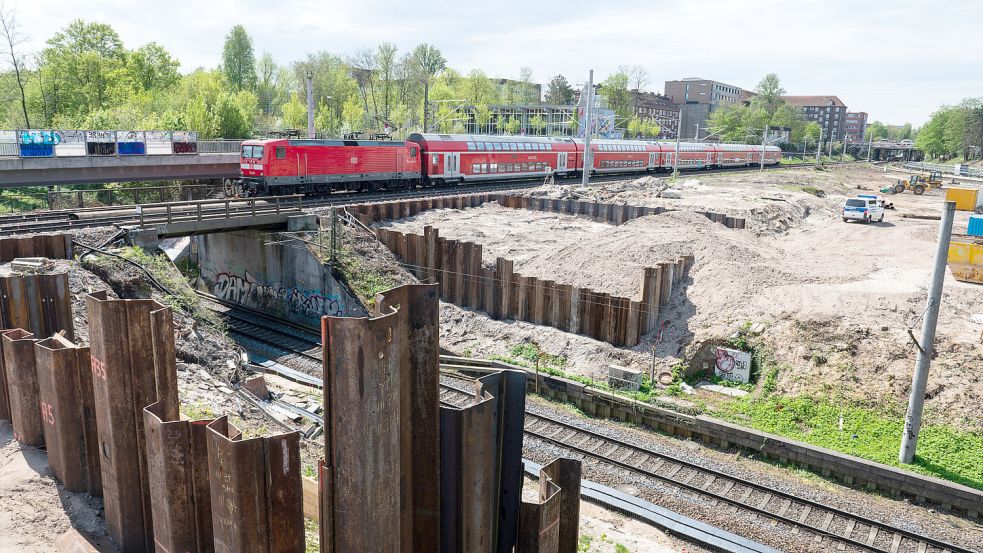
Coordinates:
<point>310,104</point>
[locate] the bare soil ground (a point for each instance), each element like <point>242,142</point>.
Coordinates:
<point>838,299</point>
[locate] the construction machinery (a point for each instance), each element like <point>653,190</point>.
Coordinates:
<point>918,183</point>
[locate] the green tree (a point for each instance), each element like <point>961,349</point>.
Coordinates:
<point>295,113</point>
<point>234,114</point>
<point>559,92</point>
<point>482,116</point>
<point>271,84</point>
<point>615,91</point>
<point>13,38</point>
<point>538,124</point>
<point>527,88</point>
<point>477,89</point>
<point>81,63</point>
<point>352,115</point>
<point>151,67</point>
<point>197,117</point>
<point>768,94</point>
<point>238,61</point>
<point>386,62</point>
<point>634,127</point>
<point>512,125</point>
<point>429,62</point>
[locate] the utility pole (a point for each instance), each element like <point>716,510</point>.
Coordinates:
<point>831,139</point>
<point>310,104</point>
<point>870,144</point>
<point>819,147</point>
<point>843,153</point>
<point>913,420</point>
<point>697,135</point>
<point>764,143</point>
<point>588,130</point>
<point>675,159</point>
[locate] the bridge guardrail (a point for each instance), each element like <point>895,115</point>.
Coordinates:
<point>954,169</point>
<point>50,143</point>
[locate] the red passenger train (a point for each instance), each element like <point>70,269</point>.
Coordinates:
<point>291,166</point>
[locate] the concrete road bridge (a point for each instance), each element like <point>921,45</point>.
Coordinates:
<point>58,157</point>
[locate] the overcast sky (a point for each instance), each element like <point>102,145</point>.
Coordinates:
<point>898,60</point>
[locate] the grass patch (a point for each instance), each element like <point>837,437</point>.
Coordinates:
<point>362,278</point>
<point>312,536</point>
<point>804,188</point>
<point>942,451</point>
<point>197,411</point>
<point>21,200</point>
<point>183,297</point>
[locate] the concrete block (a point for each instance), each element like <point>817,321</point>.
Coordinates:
<point>297,223</point>
<point>622,378</point>
<point>146,238</point>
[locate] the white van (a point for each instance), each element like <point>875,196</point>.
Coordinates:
<point>864,208</point>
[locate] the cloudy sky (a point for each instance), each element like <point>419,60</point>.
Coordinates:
<point>898,60</point>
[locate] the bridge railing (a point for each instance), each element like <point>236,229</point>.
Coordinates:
<point>954,169</point>
<point>35,143</point>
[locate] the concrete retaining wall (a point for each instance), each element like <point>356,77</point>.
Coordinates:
<point>285,280</point>
<point>852,471</point>
<point>465,281</point>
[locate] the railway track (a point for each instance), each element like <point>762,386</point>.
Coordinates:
<point>828,525</point>
<point>278,339</point>
<point>46,221</point>
<point>830,528</point>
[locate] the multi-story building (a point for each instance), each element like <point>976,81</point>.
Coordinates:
<point>828,111</point>
<point>525,93</point>
<point>855,126</point>
<point>697,98</point>
<point>650,106</point>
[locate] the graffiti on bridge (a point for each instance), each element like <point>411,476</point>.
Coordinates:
<point>248,290</point>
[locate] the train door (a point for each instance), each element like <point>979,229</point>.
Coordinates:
<point>452,165</point>
<point>651,161</point>
<point>561,161</point>
<point>669,160</point>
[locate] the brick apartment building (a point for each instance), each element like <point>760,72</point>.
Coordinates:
<point>697,98</point>
<point>855,126</point>
<point>828,111</point>
<point>652,106</point>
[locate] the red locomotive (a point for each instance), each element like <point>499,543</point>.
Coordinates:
<point>291,166</point>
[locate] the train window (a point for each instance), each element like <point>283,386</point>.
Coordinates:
<point>281,152</point>
<point>484,167</point>
<point>488,146</point>
<point>494,168</point>
<point>498,146</point>
<point>475,168</point>
<point>513,146</point>
<point>480,145</point>
<point>412,153</point>
<point>549,147</point>
<point>471,146</point>
<point>436,159</point>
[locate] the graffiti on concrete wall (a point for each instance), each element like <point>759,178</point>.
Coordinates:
<point>248,290</point>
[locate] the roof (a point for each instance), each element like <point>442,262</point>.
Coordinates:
<point>820,100</point>
<point>484,138</point>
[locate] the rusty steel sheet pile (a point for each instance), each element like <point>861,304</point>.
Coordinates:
<point>180,497</point>
<point>552,524</point>
<point>38,303</point>
<point>419,428</point>
<point>360,476</point>
<point>133,365</point>
<point>22,387</point>
<point>64,379</point>
<point>467,481</point>
<point>52,246</point>
<point>256,491</point>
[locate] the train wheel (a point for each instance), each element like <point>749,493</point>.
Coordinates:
<point>231,188</point>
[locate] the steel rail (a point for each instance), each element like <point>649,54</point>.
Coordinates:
<point>574,438</point>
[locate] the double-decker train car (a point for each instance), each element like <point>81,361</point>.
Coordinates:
<point>290,166</point>
<point>467,158</point>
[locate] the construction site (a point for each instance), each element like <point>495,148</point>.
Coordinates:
<point>712,362</point>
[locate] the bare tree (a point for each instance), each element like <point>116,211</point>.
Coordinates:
<point>638,77</point>
<point>8,22</point>
<point>386,62</point>
<point>363,66</point>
